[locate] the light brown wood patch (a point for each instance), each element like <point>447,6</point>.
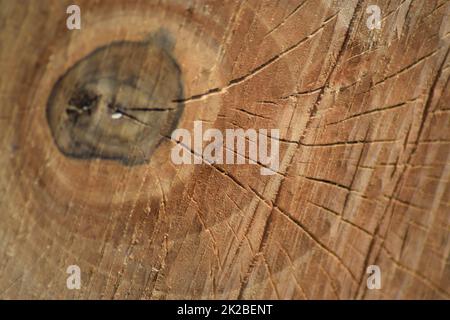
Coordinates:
<point>86,178</point>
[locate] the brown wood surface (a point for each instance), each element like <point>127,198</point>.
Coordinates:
<point>364,174</point>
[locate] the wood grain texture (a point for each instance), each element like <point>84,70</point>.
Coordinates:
<point>364,172</point>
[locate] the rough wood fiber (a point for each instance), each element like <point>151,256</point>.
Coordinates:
<point>365,153</point>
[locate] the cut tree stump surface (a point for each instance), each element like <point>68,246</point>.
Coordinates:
<point>86,176</point>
